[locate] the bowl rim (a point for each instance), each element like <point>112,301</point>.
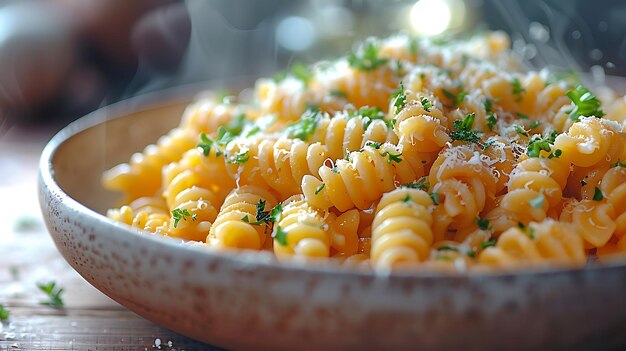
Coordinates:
<point>165,97</point>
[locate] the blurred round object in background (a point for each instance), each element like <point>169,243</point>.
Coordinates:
<point>295,33</point>
<point>36,53</point>
<point>160,38</point>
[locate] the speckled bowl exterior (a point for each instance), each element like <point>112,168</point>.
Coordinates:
<point>248,301</point>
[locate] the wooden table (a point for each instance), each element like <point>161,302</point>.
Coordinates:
<point>89,320</point>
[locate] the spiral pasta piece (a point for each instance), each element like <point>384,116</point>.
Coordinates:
<point>401,231</point>
<point>237,225</point>
<point>301,231</point>
<point>544,243</point>
<point>137,178</point>
<point>360,180</point>
<point>147,213</point>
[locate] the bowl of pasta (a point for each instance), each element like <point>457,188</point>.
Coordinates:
<point>409,195</point>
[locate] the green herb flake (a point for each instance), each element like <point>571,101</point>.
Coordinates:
<point>280,235</point>
<point>585,103</point>
<point>302,73</point>
<point>407,198</point>
<point>486,244</point>
<point>54,294</point>
<point>534,124</point>
<point>538,201</point>
<point>206,144</point>
<point>421,184</point>
<point>239,158</point>
<point>491,121</point>
<point>483,224</point>
<point>597,194</point>
<point>426,104</point>
<point>556,154</point>
<point>517,89</point>
<point>619,164</point>
<point>178,215</point>
<point>435,198</point>
<point>471,253</point>
<point>538,144</point>
<point>391,157</point>
<point>4,313</point>
<point>583,182</point>
<point>463,129</point>
<point>366,58</point>
<point>305,127</point>
<point>447,248</point>
<point>339,94</point>
<point>520,130</point>
<point>374,144</point>
<point>265,217</point>
<point>399,98</point>
<point>488,105</point>
<point>319,188</point>
<point>456,99</point>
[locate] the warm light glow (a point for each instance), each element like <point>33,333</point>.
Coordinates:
<point>430,17</point>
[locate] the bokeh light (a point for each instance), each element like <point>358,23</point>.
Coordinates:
<point>430,17</point>
<point>295,33</point>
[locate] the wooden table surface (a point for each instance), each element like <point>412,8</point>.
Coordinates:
<point>89,320</point>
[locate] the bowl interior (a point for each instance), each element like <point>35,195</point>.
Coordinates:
<point>79,161</point>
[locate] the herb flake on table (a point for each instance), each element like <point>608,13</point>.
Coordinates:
<point>54,294</point>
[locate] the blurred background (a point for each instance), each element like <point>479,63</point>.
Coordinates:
<point>60,59</point>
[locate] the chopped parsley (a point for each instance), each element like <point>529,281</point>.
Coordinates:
<point>305,127</point>
<point>338,93</point>
<point>556,154</point>
<point>619,164</point>
<point>407,198</point>
<point>526,229</point>
<point>239,158</point>
<point>447,248</point>
<point>483,224</point>
<point>597,194</point>
<point>4,313</point>
<point>265,217</point>
<point>335,170</point>
<point>426,104</point>
<point>538,201</point>
<point>488,105</point>
<point>456,99</point>
<point>486,244</point>
<point>583,182</point>
<point>374,144</point>
<point>435,198</point>
<point>178,215</point>
<point>585,103</point>
<point>391,157</point>
<point>520,130</point>
<point>319,188</point>
<point>535,124</point>
<point>54,294</point>
<point>518,90</point>
<point>399,98</point>
<point>413,46</point>
<point>370,114</point>
<point>366,58</point>
<point>538,144</point>
<point>491,121</point>
<point>421,184</point>
<point>228,132</point>
<point>206,144</point>
<point>302,73</point>
<point>463,129</point>
<point>280,235</point>
<point>298,71</point>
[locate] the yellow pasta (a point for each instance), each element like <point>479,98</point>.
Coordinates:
<point>405,154</point>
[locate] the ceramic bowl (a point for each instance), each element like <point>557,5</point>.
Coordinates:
<point>249,301</point>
